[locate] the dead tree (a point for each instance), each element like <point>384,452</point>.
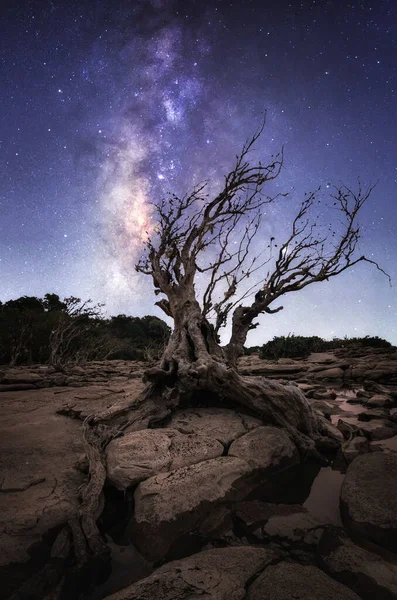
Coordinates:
<point>200,239</point>
<point>206,242</point>
<point>73,323</point>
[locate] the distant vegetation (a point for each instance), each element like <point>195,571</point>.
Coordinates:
<point>69,331</point>
<point>296,346</point>
<point>60,332</point>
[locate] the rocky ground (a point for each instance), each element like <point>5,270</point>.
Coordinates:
<point>214,504</point>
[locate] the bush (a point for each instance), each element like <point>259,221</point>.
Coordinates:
<point>299,346</point>
<point>291,346</point>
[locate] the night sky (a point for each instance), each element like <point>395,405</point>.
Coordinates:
<point>105,106</point>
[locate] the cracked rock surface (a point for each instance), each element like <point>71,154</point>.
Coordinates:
<point>39,451</point>
<point>220,574</point>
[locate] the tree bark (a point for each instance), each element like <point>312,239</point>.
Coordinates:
<point>193,361</point>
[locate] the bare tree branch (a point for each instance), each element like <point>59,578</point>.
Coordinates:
<point>210,241</point>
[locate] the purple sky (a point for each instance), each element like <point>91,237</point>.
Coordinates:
<point>106,106</point>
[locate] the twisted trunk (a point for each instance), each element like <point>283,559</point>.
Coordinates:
<point>194,361</point>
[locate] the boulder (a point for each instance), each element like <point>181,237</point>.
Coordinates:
<point>357,445</point>
<point>378,429</point>
<point>359,398</point>
<point>20,376</point>
<point>369,499</point>
<point>325,395</point>
<point>379,401</point>
<point>286,580</point>
<point>266,448</point>
<point>309,389</point>
<point>347,429</point>
<point>218,423</point>
<point>376,388</point>
<point>139,455</point>
<point>326,408</point>
<point>170,505</point>
<point>335,373</point>
<point>363,394</point>
<point>385,372</point>
<point>373,413</point>
<point>219,574</point>
<point>331,431</point>
<point>366,572</point>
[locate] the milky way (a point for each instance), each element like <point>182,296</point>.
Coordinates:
<point>107,106</point>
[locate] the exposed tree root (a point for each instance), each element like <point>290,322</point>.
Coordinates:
<point>283,406</point>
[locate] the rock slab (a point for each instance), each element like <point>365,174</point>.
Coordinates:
<point>218,423</point>
<point>369,498</point>
<point>367,573</point>
<point>170,505</point>
<point>141,454</point>
<point>266,448</point>
<point>287,581</point>
<point>220,574</point>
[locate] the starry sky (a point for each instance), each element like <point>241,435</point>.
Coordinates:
<point>106,106</point>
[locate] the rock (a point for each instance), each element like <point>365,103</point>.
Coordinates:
<point>378,429</point>
<point>347,429</point>
<point>171,505</point>
<point>334,373</point>
<point>266,448</point>
<point>309,389</point>
<point>365,572</point>
<point>369,498</point>
<point>286,581</point>
<point>385,372</point>
<point>357,445</point>
<point>359,399</point>
<point>325,408</point>
<point>17,387</point>
<point>16,377</point>
<point>288,523</point>
<point>393,415</point>
<point>331,431</point>
<point>327,395</point>
<point>363,394</point>
<point>219,574</point>
<point>218,423</point>
<point>379,401</point>
<point>313,368</point>
<point>374,413</point>
<point>273,370</point>
<point>19,482</point>
<point>376,388</point>
<point>327,444</point>
<point>141,454</point>
<point>322,358</point>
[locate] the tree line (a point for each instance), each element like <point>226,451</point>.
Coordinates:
<point>300,346</point>
<point>59,332</point>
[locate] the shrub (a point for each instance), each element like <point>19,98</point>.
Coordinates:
<point>291,346</point>
<point>299,346</point>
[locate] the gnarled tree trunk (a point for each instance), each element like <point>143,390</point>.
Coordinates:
<point>193,361</point>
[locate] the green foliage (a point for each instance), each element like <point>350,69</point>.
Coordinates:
<point>51,330</point>
<point>251,350</point>
<point>291,346</point>
<point>299,346</point>
<point>144,338</point>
